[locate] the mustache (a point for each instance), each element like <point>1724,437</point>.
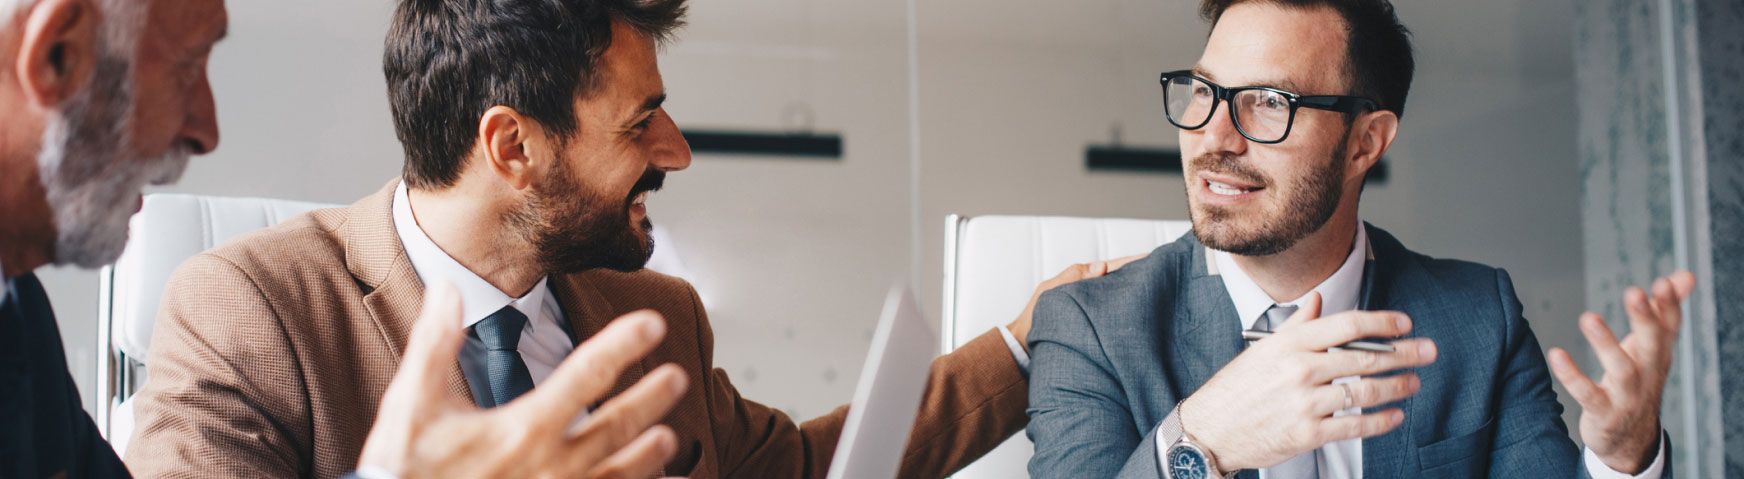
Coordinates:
<point>651,181</point>
<point>168,168</point>
<point>1226,164</point>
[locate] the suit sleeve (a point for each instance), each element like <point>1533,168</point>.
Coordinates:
<point>1079,419</point>
<point>1530,438</point>
<point>202,413</point>
<point>974,399</point>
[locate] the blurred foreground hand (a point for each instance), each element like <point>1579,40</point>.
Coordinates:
<point>423,431</point>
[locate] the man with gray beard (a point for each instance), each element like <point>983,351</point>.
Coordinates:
<point>75,151</point>
<point>103,97</point>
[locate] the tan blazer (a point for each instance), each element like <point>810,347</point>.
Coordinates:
<point>271,353</point>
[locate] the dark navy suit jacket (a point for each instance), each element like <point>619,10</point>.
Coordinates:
<point>1113,355</point>
<point>44,431</point>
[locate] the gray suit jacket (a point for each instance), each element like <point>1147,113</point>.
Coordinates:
<point>1113,355</point>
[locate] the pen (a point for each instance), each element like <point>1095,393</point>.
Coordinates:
<point>1369,346</point>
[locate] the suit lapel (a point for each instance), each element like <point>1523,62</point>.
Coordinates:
<point>588,312</point>
<point>1383,456</point>
<point>1206,330</point>
<point>377,259</point>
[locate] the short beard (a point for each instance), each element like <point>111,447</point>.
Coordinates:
<point>1316,199</point>
<point>575,228</point>
<point>92,182</point>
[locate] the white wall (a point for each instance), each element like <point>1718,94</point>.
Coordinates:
<point>793,256</point>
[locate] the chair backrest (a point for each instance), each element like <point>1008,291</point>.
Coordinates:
<point>992,266</point>
<point>168,230</point>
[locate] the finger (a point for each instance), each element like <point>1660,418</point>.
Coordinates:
<point>1365,393</point>
<point>1356,426</point>
<point>1582,388</point>
<point>435,341</point>
<point>1682,282</point>
<point>1605,346</point>
<point>1071,273</point>
<point>593,367</point>
<point>1116,263</point>
<point>1642,316</point>
<point>1407,353</point>
<point>414,395</point>
<point>1309,309</point>
<point>1667,305</point>
<point>629,415</point>
<point>1332,331</point>
<point>642,458</point>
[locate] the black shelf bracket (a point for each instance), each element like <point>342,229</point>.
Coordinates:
<point>1124,159</point>
<point>749,143</point>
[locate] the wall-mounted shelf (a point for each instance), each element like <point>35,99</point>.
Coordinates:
<point>1126,159</point>
<point>1130,159</point>
<point>750,143</point>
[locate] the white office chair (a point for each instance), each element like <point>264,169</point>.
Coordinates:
<point>992,266</point>
<point>167,231</point>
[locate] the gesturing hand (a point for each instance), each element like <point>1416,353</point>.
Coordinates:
<point>1620,414</point>
<point>424,432</point>
<point>1276,400</point>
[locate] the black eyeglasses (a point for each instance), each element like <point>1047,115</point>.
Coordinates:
<point>1261,114</point>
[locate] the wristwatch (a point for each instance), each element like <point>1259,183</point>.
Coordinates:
<point>1185,459</point>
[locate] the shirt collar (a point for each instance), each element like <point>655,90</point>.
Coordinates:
<point>479,298</point>
<point>1338,293</point>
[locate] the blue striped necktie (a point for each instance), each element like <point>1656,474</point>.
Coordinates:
<point>504,368</point>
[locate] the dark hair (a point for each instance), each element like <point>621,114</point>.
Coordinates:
<point>447,61</point>
<point>1377,51</point>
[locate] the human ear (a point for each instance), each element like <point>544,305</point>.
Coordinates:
<point>1372,134</point>
<point>503,136</point>
<point>57,51</point>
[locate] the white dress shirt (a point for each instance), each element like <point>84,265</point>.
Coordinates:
<point>545,340</point>
<point>1339,293</point>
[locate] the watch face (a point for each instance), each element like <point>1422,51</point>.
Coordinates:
<point>1188,463</point>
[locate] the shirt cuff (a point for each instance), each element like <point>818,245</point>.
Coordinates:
<point>1162,450</point>
<point>371,472</point>
<point>1598,470</point>
<point>1017,351</point>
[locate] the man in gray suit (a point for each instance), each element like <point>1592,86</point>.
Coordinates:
<point>1144,373</point>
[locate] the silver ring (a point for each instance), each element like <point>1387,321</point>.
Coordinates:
<point>1347,396</point>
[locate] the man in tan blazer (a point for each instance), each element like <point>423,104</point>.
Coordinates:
<point>103,97</point>
<point>271,351</point>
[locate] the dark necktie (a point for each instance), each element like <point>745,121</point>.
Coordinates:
<point>504,368</point>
